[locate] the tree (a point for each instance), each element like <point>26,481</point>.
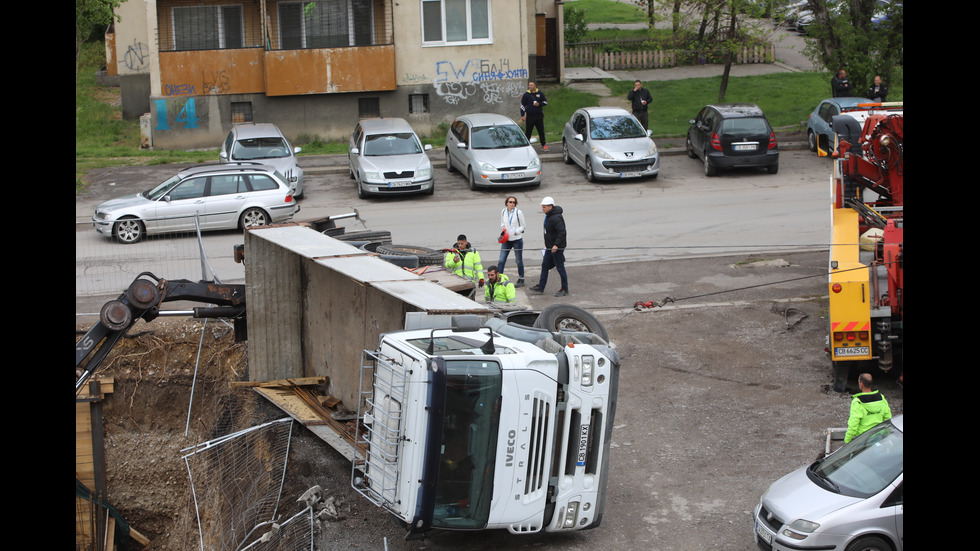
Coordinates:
<point>91,16</point>
<point>865,37</point>
<point>575,25</point>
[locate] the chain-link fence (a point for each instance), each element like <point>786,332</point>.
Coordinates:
<point>236,484</point>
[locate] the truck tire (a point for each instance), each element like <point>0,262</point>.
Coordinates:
<point>376,236</point>
<point>569,317</point>
<point>426,256</point>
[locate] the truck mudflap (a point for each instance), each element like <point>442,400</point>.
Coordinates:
<point>584,434</point>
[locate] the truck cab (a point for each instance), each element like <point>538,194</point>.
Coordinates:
<point>483,425</point>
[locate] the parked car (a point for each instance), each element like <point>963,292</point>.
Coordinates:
<point>491,150</point>
<point>850,500</point>
<point>264,143</point>
<point>609,143</point>
<point>819,125</point>
<point>387,158</point>
<point>219,196</point>
<point>730,135</point>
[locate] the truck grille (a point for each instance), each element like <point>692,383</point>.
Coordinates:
<point>536,477</point>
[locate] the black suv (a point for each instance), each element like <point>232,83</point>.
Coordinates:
<point>729,135</point>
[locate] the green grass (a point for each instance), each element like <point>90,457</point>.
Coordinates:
<point>608,11</point>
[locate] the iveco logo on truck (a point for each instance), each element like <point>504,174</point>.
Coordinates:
<point>511,440</point>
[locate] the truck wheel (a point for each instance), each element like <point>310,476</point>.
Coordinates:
<point>376,236</point>
<point>569,317</point>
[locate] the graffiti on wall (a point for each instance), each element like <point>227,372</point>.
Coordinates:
<point>212,82</point>
<point>495,81</point>
<point>136,56</point>
<point>176,114</point>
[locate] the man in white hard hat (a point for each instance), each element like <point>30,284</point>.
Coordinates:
<point>554,247</point>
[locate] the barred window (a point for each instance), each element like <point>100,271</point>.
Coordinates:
<point>208,27</point>
<point>418,104</point>
<point>368,108</point>
<point>327,24</point>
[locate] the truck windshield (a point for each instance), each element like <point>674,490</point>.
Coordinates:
<point>469,443</point>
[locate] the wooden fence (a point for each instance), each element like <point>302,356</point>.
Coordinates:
<point>589,56</point>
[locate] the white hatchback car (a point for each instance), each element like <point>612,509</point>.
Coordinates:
<point>218,197</point>
<point>850,500</point>
<point>491,150</point>
<point>264,143</point>
<point>387,158</point>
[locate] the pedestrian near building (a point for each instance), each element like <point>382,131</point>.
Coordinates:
<point>513,223</point>
<point>640,99</point>
<point>840,86</point>
<point>498,287</point>
<point>555,242</point>
<point>868,408</point>
<point>878,91</point>
<point>464,260</point>
<point>532,112</point>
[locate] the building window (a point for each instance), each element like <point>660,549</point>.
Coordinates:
<point>241,111</point>
<point>327,24</point>
<point>368,107</point>
<point>208,27</point>
<point>418,104</point>
<point>455,22</point>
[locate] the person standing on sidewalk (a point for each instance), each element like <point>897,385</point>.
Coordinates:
<point>532,112</point>
<point>640,98</point>
<point>512,222</point>
<point>555,242</point>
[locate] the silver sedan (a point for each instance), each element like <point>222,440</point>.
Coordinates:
<point>492,151</point>
<point>609,143</point>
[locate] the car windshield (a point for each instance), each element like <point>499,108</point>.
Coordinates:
<point>743,128</point>
<point>498,137</point>
<point>379,145</point>
<point>259,148</point>
<point>469,444</point>
<point>616,128</point>
<point>162,189</point>
<point>864,466</point>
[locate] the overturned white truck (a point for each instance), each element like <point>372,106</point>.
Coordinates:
<point>466,419</point>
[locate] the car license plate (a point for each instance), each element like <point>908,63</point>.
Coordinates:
<point>400,184</point>
<point>629,174</point>
<point>745,147</point>
<point>513,175</point>
<point>852,351</point>
<point>583,445</point>
<point>763,533</point>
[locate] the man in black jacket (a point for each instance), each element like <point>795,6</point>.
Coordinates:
<point>554,244</point>
<point>640,99</point>
<point>532,112</point>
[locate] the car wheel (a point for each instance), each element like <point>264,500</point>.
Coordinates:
<point>773,168</point>
<point>558,317</point>
<point>361,194</point>
<point>469,173</point>
<point>690,149</point>
<point>449,163</point>
<point>129,230</point>
<point>589,173</point>
<point>565,155</point>
<point>811,140</point>
<point>708,169</point>
<point>253,217</point>
<point>870,543</point>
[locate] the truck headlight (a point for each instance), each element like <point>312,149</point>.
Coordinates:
<point>587,364</point>
<point>571,514</point>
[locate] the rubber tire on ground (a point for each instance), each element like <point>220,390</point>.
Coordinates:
<point>128,231</point>
<point>405,261</point>
<point>257,216</point>
<point>773,169</point>
<point>567,316</point>
<point>565,154</point>
<point>425,255</point>
<point>690,149</point>
<point>870,543</point>
<point>811,140</point>
<point>589,173</point>
<point>708,169</point>
<point>449,163</point>
<point>469,175</point>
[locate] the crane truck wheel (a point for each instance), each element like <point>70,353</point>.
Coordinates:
<point>569,317</point>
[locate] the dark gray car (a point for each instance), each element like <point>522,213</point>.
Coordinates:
<point>730,135</point>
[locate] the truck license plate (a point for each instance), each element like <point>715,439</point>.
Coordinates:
<point>852,351</point>
<point>583,445</point>
<point>763,533</point>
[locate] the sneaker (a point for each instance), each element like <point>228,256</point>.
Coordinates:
<point>520,282</point>
<point>536,289</point>
<point>561,293</point>
<point>544,148</point>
